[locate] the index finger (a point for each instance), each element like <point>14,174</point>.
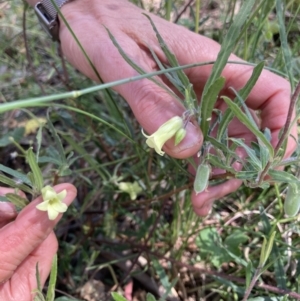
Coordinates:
<point>22,236</point>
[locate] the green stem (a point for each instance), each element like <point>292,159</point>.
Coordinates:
<point>31,102</point>
<point>197,15</point>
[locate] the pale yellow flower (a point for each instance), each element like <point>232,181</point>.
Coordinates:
<point>164,133</point>
<point>133,189</point>
<point>52,202</point>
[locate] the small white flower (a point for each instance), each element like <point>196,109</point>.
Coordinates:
<point>164,133</point>
<point>133,189</point>
<point>52,202</point>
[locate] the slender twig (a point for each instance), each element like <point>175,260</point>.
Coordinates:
<point>190,2</point>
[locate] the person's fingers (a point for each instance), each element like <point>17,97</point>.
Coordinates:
<point>30,228</point>
<point>7,210</point>
<point>270,96</point>
<point>151,104</point>
<point>202,202</point>
<point>24,278</point>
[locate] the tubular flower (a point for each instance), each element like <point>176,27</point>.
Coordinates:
<point>133,189</point>
<point>164,133</point>
<point>52,202</point>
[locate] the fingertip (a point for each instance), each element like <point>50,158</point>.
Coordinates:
<point>203,202</point>
<point>189,146</point>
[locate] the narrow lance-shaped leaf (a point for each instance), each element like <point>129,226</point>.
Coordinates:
<point>244,93</point>
<point>16,174</point>
<point>11,183</point>
<point>52,281</point>
<point>137,67</point>
<point>250,152</point>
<point>282,176</point>
<point>209,100</point>
<point>57,140</point>
<point>17,200</point>
<point>118,297</point>
<point>243,119</point>
<point>266,249</point>
<point>37,174</point>
<point>170,56</point>
<point>245,108</point>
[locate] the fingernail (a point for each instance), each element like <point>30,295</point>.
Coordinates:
<point>193,137</point>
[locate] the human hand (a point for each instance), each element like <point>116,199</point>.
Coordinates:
<point>26,241</point>
<point>151,105</point>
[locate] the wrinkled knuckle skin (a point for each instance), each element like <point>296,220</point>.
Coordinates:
<point>145,99</point>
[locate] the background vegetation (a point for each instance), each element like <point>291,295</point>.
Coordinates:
<point>153,243</point>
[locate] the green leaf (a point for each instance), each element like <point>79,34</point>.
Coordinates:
<point>57,140</point>
<point>244,93</point>
<point>282,176</point>
<point>52,281</point>
<point>17,200</point>
<point>162,276</point>
<point>202,177</point>
<point>16,174</point>
<point>254,161</point>
<point>170,56</point>
<point>118,297</point>
<point>243,119</point>
<point>37,174</point>
<point>249,273</point>
<point>246,175</point>
<point>210,247</point>
<point>150,297</point>
<point>234,240</point>
<point>14,184</point>
<point>266,249</point>
<point>209,100</point>
<point>138,68</point>
<point>17,134</point>
<point>292,199</point>
<point>229,43</point>
<point>215,161</point>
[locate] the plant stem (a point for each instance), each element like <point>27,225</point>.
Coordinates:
<point>252,284</point>
<point>197,16</point>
